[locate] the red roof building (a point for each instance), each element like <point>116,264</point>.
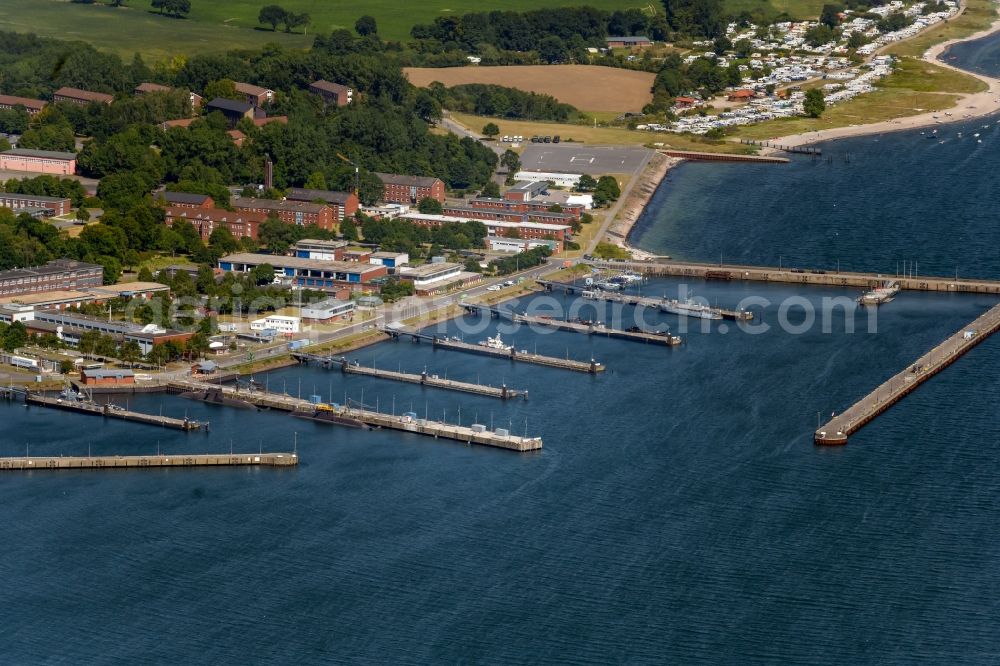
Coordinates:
<point>241,224</point>
<point>32,106</point>
<point>81,97</point>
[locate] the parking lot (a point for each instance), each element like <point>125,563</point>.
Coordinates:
<point>577,158</point>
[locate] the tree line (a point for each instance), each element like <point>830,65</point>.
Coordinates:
<point>493,100</point>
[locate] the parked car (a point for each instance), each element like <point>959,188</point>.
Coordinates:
<point>493,287</point>
<point>547,139</point>
<point>555,139</point>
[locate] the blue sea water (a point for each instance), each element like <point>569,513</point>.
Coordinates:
<point>678,513</point>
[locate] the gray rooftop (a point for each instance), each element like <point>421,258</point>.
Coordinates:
<point>48,154</point>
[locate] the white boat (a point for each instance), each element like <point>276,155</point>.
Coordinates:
<point>608,286</point>
<point>881,294</point>
<point>495,343</point>
<point>689,308</point>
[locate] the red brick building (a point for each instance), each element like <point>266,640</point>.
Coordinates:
<point>502,205</point>
<point>241,224</point>
<point>344,204</point>
<point>32,106</point>
<point>255,94</point>
<point>300,213</point>
<point>332,93</point>
<point>488,214</point>
<point>81,97</point>
<point>186,200</point>
<point>410,189</point>
<point>57,205</point>
<point>102,377</point>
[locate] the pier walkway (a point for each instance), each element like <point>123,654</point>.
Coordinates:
<point>407,422</point>
<point>595,294</point>
<point>723,157</point>
<point>145,462</point>
<point>587,328</point>
<point>113,412</point>
<point>812,277</point>
<point>843,425</point>
<point>424,378</point>
<point>521,356</point>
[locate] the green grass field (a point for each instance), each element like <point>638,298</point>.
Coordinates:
<point>218,25</point>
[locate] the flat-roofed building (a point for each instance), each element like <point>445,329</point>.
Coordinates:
<point>324,250</point>
<point>518,245</point>
<point>312,273</point>
<point>544,215</point>
<point>81,97</point>
<point>389,259</point>
<point>280,323</point>
<point>32,106</point>
<point>61,274</point>
<point>534,206</point>
<point>51,205</point>
<point>69,326</point>
<point>107,377</point>
<point>332,93</point>
<point>51,162</point>
<point>559,232</point>
<point>410,189</point>
<point>526,190</point>
<point>344,204</point>
<point>327,309</point>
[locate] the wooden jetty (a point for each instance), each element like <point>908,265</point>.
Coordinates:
<point>521,356</point>
<point>723,157</point>
<point>112,412</point>
<point>407,422</point>
<point>843,425</point>
<point>631,299</point>
<point>424,378</point>
<point>800,150</point>
<point>805,276</point>
<point>587,328</point>
<point>146,462</point>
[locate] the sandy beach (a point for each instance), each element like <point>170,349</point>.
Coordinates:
<point>969,106</point>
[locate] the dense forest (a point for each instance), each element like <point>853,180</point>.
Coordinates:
<point>492,100</point>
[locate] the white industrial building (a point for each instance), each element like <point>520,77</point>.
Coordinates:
<point>326,310</point>
<point>279,323</point>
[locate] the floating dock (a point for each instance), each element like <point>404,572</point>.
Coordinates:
<point>630,299</point>
<point>407,422</point>
<point>845,424</point>
<point>424,378</point>
<point>806,276</point>
<point>592,366</point>
<point>145,462</point>
<point>113,412</point>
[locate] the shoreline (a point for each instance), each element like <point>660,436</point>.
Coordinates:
<point>968,106</point>
<point>636,201</point>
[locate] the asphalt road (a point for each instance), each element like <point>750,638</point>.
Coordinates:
<point>579,158</point>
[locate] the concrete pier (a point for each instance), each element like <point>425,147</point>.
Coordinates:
<point>112,412</point>
<point>424,378</point>
<point>145,462</point>
<point>587,328</point>
<point>592,366</point>
<point>845,424</point>
<point>805,276</point>
<point>408,421</point>
<point>639,301</point>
